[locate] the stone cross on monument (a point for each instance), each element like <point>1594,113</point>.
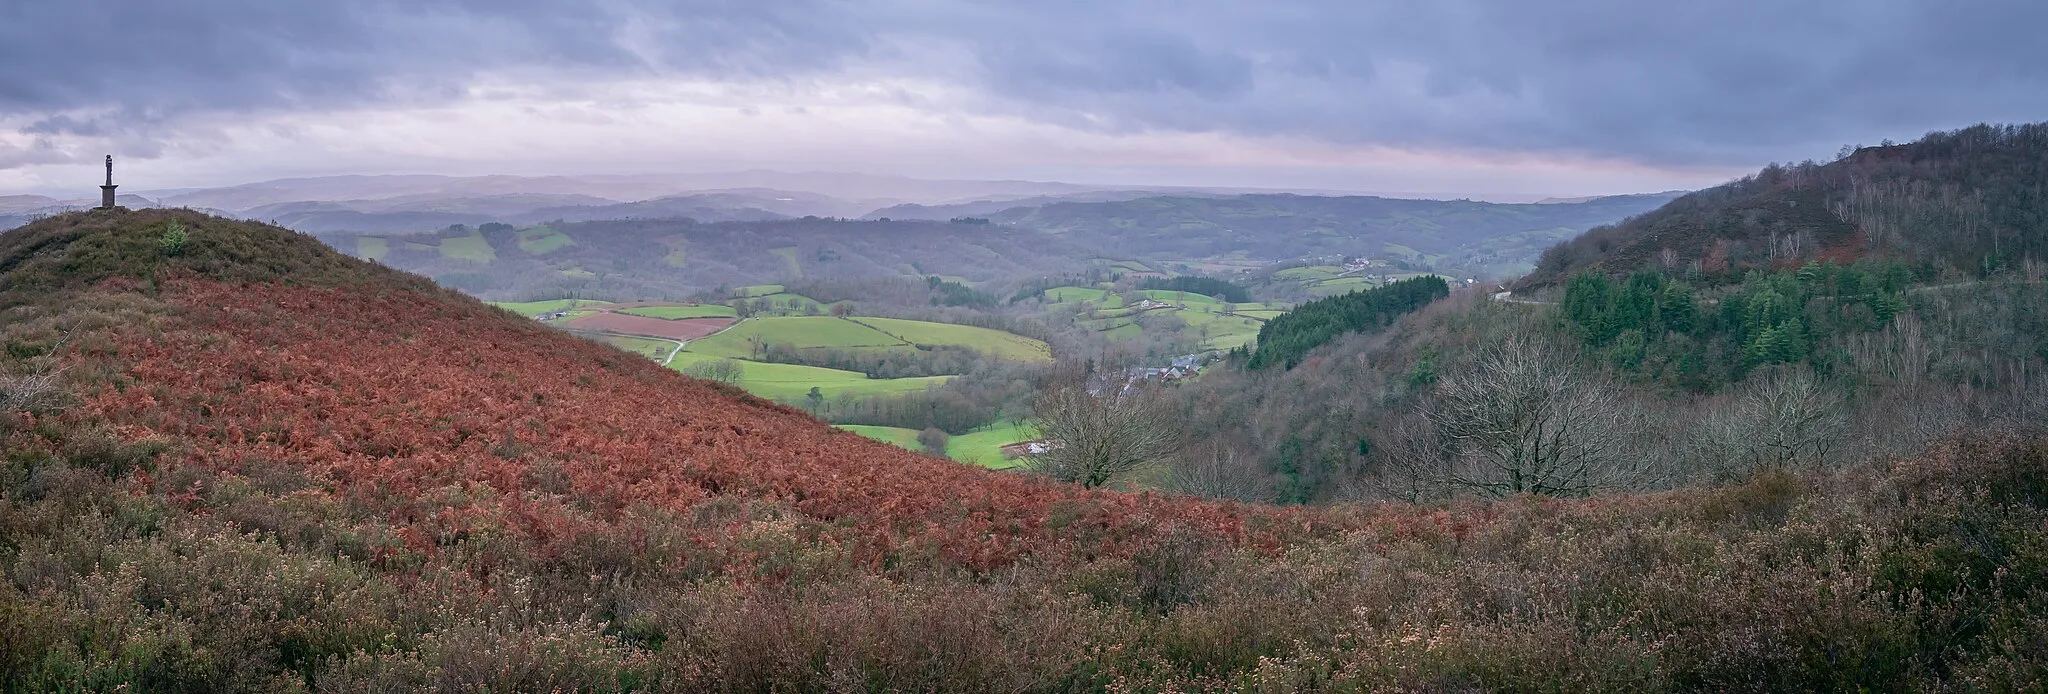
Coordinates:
<point>107,191</point>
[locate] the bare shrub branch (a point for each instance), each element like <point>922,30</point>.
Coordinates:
<point>1099,438</point>
<point>1526,419</point>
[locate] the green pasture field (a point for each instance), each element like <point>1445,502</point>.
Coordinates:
<point>994,343</point>
<point>757,290</point>
<point>788,255</point>
<point>792,304</point>
<point>903,438</point>
<point>1225,332</point>
<point>1308,274</point>
<point>802,332</point>
<point>793,383</point>
<point>1063,295</point>
<point>540,240</point>
<point>535,308</point>
<point>372,247</point>
<point>680,312</point>
<point>1172,297</point>
<point>984,446</point>
<point>652,349</point>
<point>472,248</point>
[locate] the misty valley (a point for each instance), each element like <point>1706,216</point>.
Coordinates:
<point>885,346</point>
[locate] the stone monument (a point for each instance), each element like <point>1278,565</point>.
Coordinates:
<point>107,191</point>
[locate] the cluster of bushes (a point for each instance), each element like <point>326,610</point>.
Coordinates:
<point>1926,574</point>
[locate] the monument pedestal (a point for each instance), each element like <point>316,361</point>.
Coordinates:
<point>107,197</point>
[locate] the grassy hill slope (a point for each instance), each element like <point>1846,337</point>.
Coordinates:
<point>257,465</point>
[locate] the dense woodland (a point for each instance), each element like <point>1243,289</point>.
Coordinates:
<point>1285,340</point>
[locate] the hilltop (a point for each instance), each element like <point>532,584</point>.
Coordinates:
<point>237,460</point>
<point>1966,201</point>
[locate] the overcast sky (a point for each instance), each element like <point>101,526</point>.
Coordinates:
<point>1481,97</point>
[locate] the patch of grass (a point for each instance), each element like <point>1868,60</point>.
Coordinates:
<point>984,446</point>
<point>542,240</point>
<point>1308,274</point>
<point>793,383</point>
<point>788,254</point>
<point>372,247</point>
<point>1224,332</point>
<point>994,343</point>
<point>1173,297</point>
<point>471,247</point>
<point>652,349</point>
<point>679,312</point>
<point>579,273</point>
<point>803,332</point>
<point>678,253</point>
<point>791,305</point>
<point>1064,295</point>
<point>535,308</point>
<point>901,437</point>
<point>757,290</point>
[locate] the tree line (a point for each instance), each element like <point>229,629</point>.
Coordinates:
<point>1206,286</point>
<point>1287,338</point>
<point>1663,329</point>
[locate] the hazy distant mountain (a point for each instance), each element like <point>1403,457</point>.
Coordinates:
<point>649,258</point>
<point>1462,236</point>
<point>859,192</point>
<point>23,203</point>
<point>16,210</point>
<point>984,208</point>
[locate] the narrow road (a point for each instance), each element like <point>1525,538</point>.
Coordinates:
<point>680,344</point>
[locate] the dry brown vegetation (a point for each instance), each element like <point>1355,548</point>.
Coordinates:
<point>246,485</point>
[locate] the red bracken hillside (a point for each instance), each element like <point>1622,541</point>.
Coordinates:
<point>457,420</point>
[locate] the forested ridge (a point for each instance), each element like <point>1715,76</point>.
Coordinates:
<point>1971,201</point>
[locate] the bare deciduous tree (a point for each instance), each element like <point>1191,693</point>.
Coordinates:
<point>1219,471</point>
<point>1526,419</point>
<point>724,371</point>
<point>1779,420</point>
<point>1098,438</point>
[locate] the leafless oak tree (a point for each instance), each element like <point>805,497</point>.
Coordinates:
<point>1218,470</point>
<point>1779,420</point>
<point>1098,438</point>
<point>1525,419</point>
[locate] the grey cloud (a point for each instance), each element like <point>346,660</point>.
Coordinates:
<point>1664,83</point>
<point>1661,83</point>
<point>192,55</point>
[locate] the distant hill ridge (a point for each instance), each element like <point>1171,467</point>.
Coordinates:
<point>1972,200</point>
